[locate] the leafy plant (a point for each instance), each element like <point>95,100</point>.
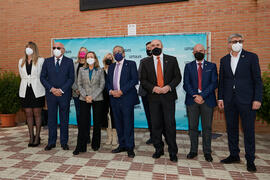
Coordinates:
<point>264,111</point>
<point>9,92</point>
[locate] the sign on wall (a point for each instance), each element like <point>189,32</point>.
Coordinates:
<point>97,4</point>
<point>179,45</point>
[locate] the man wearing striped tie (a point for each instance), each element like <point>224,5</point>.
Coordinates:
<point>160,75</point>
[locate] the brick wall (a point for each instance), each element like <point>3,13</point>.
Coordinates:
<point>39,21</point>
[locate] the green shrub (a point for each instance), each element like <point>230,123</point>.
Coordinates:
<point>264,111</point>
<point>9,92</point>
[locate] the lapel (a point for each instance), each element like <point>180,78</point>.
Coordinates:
<point>241,60</point>
<point>123,71</point>
<point>205,67</point>
<point>195,70</point>
<point>152,66</point>
<point>93,75</point>
<point>165,65</point>
<point>228,61</point>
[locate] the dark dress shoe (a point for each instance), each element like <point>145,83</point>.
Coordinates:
<point>231,159</point>
<point>131,153</point>
<point>95,148</point>
<point>208,157</point>
<point>158,153</point>
<point>251,167</point>
<point>149,141</point>
<point>49,147</point>
<point>191,155</point>
<point>173,158</point>
<point>35,145</point>
<point>119,149</point>
<point>76,152</point>
<point>31,143</point>
<point>65,147</point>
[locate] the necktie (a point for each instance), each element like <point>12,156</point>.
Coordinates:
<point>160,80</point>
<point>57,66</point>
<point>200,76</point>
<point>116,77</point>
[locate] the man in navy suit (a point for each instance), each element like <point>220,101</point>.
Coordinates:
<point>160,75</point>
<point>200,82</point>
<point>57,76</point>
<point>240,93</point>
<point>121,80</point>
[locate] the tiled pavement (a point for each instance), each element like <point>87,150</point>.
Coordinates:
<point>17,161</point>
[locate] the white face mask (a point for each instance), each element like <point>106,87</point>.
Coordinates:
<point>57,52</point>
<point>237,47</point>
<point>29,51</point>
<point>90,61</point>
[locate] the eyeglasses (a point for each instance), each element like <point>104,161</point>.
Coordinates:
<point>235,41</point>
<point>59,48</point>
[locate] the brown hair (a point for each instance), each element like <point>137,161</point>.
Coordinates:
<point>78,56</point>
<point>96,64</point>
<point>35,55</point>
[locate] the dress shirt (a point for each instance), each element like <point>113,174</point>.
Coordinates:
<point>60,60</point>
<point>197,62</point>
<point>119,72</point>
<point>234,61</point>
<point>161,62</point>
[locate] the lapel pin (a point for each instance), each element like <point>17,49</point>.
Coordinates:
<point>243,56</point>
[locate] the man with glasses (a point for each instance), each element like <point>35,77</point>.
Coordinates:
<point>240,93</point>
<point>121,81</point>
<point>57,76</point>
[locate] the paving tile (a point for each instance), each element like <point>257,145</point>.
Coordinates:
<point>17,161</point>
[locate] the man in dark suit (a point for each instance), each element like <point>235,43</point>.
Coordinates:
<point>200,82</point>
<point>121,80</point>
<point>57,76</point>
<point>160,76</point>
<point>143,93</point>
<point>240,93</point>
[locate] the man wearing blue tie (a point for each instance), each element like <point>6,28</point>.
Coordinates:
<point>121,80</point>
<point>240,93</point>
<point>57,76</point>
<point>200,82</point>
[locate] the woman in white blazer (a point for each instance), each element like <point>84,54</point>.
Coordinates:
<point>32,92</point>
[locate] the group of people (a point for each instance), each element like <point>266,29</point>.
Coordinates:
<point>111,94</point>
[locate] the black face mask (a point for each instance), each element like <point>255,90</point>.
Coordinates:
<point>108,61</point>
<point>156,51</point>
<point>148,52</point>
<point>199,56</point>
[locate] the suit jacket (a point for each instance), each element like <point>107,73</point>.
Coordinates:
<point>209,82</point>
<point>33,79</point>
<point>74,86</point>
<point>247,79</point>
<point>62,79</point>
<point>128,80</point>
<point>93,87</point>
<point>142,91</point>
<point>171,76</point>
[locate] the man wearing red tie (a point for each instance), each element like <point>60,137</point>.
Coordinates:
<point>160,75</point>
<point>200,82</point>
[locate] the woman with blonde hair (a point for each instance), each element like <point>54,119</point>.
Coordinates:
<point>108,116</point>
<point>81,60</point>
<point>90,84</point>
<point>32,92</point>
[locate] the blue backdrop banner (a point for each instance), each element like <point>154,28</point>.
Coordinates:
<point>179,45</point>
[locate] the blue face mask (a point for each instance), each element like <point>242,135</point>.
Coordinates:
<point>118,56</point>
